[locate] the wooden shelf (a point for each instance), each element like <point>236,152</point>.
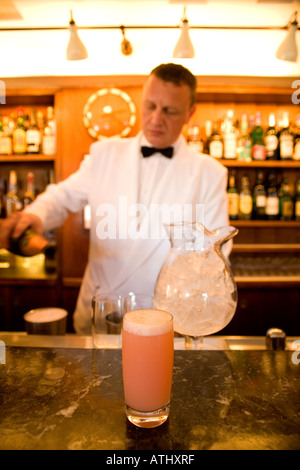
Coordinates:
<point>264,247</point>
<point>26,158</point>
<point>261,163</point>
<point>266,223</point>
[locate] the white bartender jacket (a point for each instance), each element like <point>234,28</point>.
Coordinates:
<point>126,249</point>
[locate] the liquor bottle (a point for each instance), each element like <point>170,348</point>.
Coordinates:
<point>245,199</point>
<point>233,197</point>
<point>258,144</point>
<point>30,192</point>
<point>194,140</point>
<point>297,200</point>
<point>11,200</point>
<point>49,134</point>
<point>286,206</point>
<point>272,202</point>
<point>286,139</point>
<point>215,144</point>
<point>5,137</point>
<point>208,131</point>
<point>259,197</point>
<point>296,153</point>
<point>30,243</point>
<point>244,142</point>
<point>33,135</point>
<point>19,134</point>
<point>271,139</point>
<point>229,137</point>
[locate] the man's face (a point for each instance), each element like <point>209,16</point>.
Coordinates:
<point>166,107</point>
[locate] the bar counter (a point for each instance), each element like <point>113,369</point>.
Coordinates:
<point>72,398</point>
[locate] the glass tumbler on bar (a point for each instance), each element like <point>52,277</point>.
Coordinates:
<point>147,359</point>
<point>107,316</point>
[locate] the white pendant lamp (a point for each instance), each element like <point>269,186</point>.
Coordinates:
<point>288,48</point>
<point>76,49</point>
<point>184,48</point>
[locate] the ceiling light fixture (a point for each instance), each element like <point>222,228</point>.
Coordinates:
<point>76,49</point>
<point>288,48</point>
<point>184,48</point>
<point>126,47</point>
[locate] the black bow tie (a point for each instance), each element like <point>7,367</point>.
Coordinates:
<point>148,151</point>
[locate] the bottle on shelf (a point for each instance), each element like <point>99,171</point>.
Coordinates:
<point>5,137</point>
<point>245,199</point>
<point>208,131</point>
<point>33,135</point>
<point>49,133</point>
<point>259,197</point>
<point>286,139</point>
<point>297,201</point>
<point>271,139</point>
<point>286,205</point>
<point>194,139</point>
<point>29,194</point>
<point>244,143</point>
<point>215,144</point>
<point>229,137</point>
<point>272,202</point>
<point>19,134</point>
<point>233,197</point>
<point>12,201</point>
<point>296,152</point>
<point>258,144</point>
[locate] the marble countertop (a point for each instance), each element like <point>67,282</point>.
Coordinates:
<point>72,398</point>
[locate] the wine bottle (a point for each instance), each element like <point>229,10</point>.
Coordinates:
<point>245,199</point>
<point>30,243</point>
<point>244,143</point>
<point>259,197</point>
<point>233,197</point>
<point>271,139</point>
<point>286,206</point>
<point>272,202</point>
<point>258,145</point>
<point>286,139</point>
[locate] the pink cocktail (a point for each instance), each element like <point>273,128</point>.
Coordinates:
<point>147,355</point>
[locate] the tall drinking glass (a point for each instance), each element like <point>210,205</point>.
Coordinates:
<point>147,357</point>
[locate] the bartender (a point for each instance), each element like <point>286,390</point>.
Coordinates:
<point>132,185</point>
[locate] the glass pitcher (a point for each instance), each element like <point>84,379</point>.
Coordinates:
<point>195,283</point>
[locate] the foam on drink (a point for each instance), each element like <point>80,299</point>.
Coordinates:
<point>147,322</point>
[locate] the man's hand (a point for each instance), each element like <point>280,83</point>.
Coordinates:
<point>15,225</point>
